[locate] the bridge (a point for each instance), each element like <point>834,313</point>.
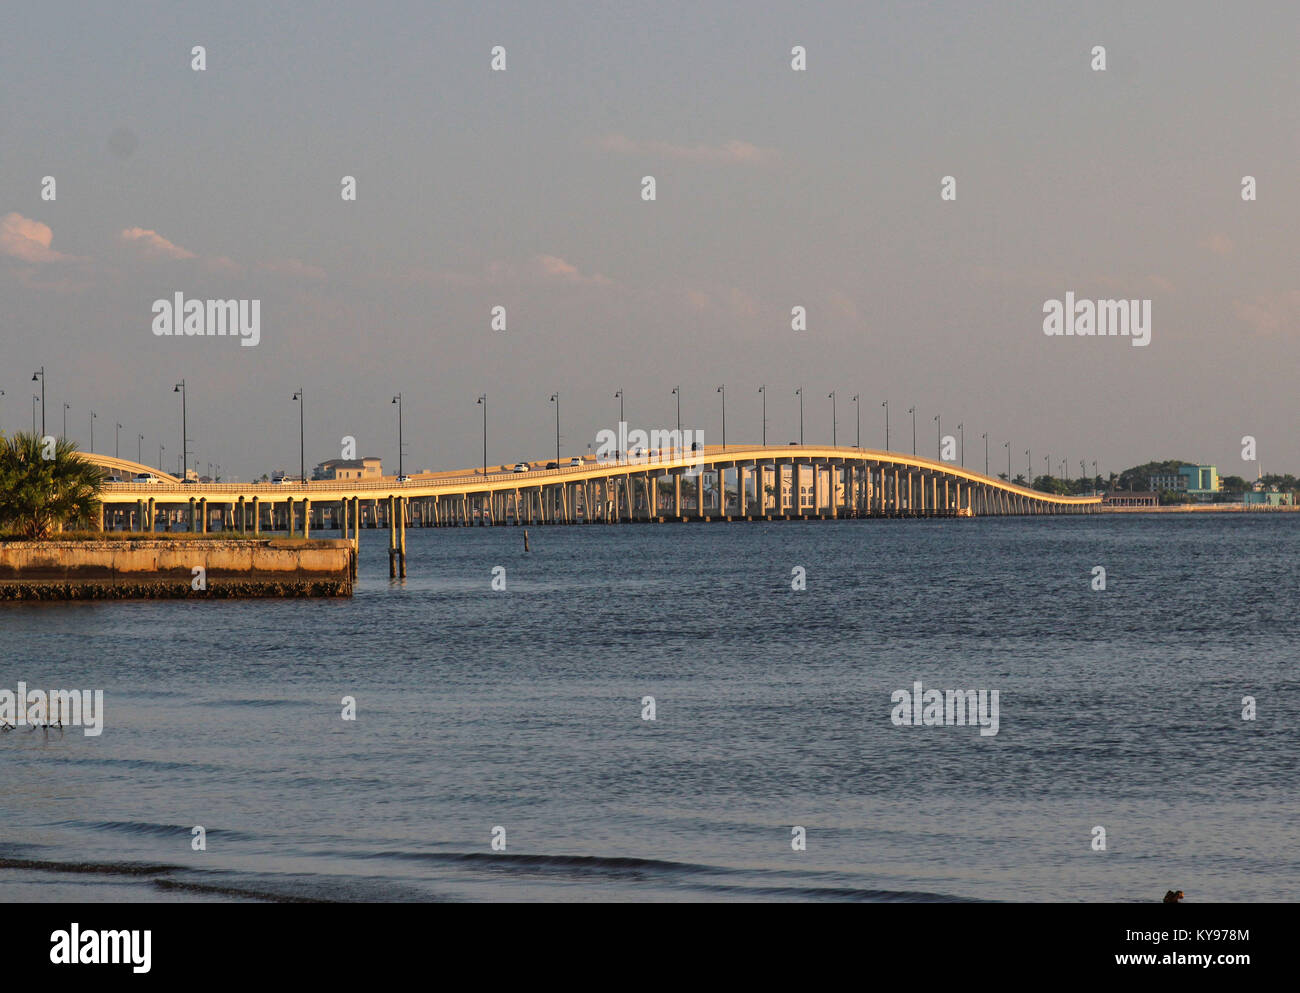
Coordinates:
<point>746,482</point>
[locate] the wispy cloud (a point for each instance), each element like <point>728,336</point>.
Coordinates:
<point>1219,244</point>
<point>27,240</point>
<point>733,152</point>
<point>1271,313</point>
<point>293,269</point>
<point>540,270</point>
<point>154,244</point>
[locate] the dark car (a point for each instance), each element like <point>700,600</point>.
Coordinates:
<point>552,465</point>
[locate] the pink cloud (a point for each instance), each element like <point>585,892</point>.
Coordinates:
<point>1271,313</point>
<point>28,240</point>
<point>552,268</point>
<point>154,244</point>
<point>1219,244</point>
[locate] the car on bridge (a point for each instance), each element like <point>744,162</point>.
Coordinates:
<point>523,467</point>
<point>403,479</point>
<point>146,477</point>
<point>576,462</point>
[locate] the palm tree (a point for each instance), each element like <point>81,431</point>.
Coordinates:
<point>45,486</point>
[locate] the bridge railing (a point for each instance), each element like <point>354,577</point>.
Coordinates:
<point>671,458</point>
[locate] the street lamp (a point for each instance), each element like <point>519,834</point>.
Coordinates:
<point>886,406</point>
<point>555,399</point>
<point>483,400</point>
<point>1048,459</point>
<point>618,395</point>
<point>302,457</point>
<point>723,391</point>
<point>939,434</point>
<point>961,429</point>
<point>161,448</point>
<point>1007,446</point>
<point>185,431</point>
<point>912,411</point>
<point>139,449</point>
<point>117,434</point>
<point>857,412</point>
<point>40,374</point>
<point>93,415</point>
<point>66,407</point>
<point>834,428</point>
<point>763,390</point>
<point>986,453</point>
<point>398,400</point>
<point>799,394</point>
<point>677,392</point>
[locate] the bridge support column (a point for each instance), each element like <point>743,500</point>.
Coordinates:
<point>306,517</point>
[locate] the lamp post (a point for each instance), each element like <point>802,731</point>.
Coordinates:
<point>139,449</point>
<point>723,390</point>
<point>618,395</point>
<point>1007,446</point>
<point>66,407</point>
<point>40,374</point>
<point>886,406</point>
<point>302,457</point>
<point>482,399</point>
<point>555,399</point>
<point>986,453</point>
<point>1048,459</point>
<point>117,436</point>
<point>677,392</point>
<point>185,431</point>
<point>857,413</point>
<point>400,464</point>
<point>939,435</point>
<point>799,394</point>
<point>93,415</point>
<point>961,430</point>
<point>763,390</point>
<point>834,428</point>
<point>161,448</point>
<point>912,411</point>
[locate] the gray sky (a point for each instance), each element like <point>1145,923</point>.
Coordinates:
<point>775,188</point>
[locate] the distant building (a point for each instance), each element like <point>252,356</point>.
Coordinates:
<point>1174,481</point>
<point>368,468</point>
<point>1202,480</point>
<point>1130,498</point>
<point>1194,480</point>
<point>1266,498</point>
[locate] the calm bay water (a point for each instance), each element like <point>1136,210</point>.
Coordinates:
<point>523,709</point>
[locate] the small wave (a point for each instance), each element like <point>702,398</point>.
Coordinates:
<point>97,868</point>
<point>151,829</point>
<point>236,891</point>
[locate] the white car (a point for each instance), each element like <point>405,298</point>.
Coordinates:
<point>145,477</point>
<point>523,467</point>
<point>576,462</point>
<point>403,479</point>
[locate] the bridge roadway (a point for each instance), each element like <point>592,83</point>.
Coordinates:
<point>761,483</point>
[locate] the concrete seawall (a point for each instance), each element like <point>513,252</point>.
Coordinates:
<point>150,567</point>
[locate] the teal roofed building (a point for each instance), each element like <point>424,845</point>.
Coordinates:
<point>1202,480</point>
